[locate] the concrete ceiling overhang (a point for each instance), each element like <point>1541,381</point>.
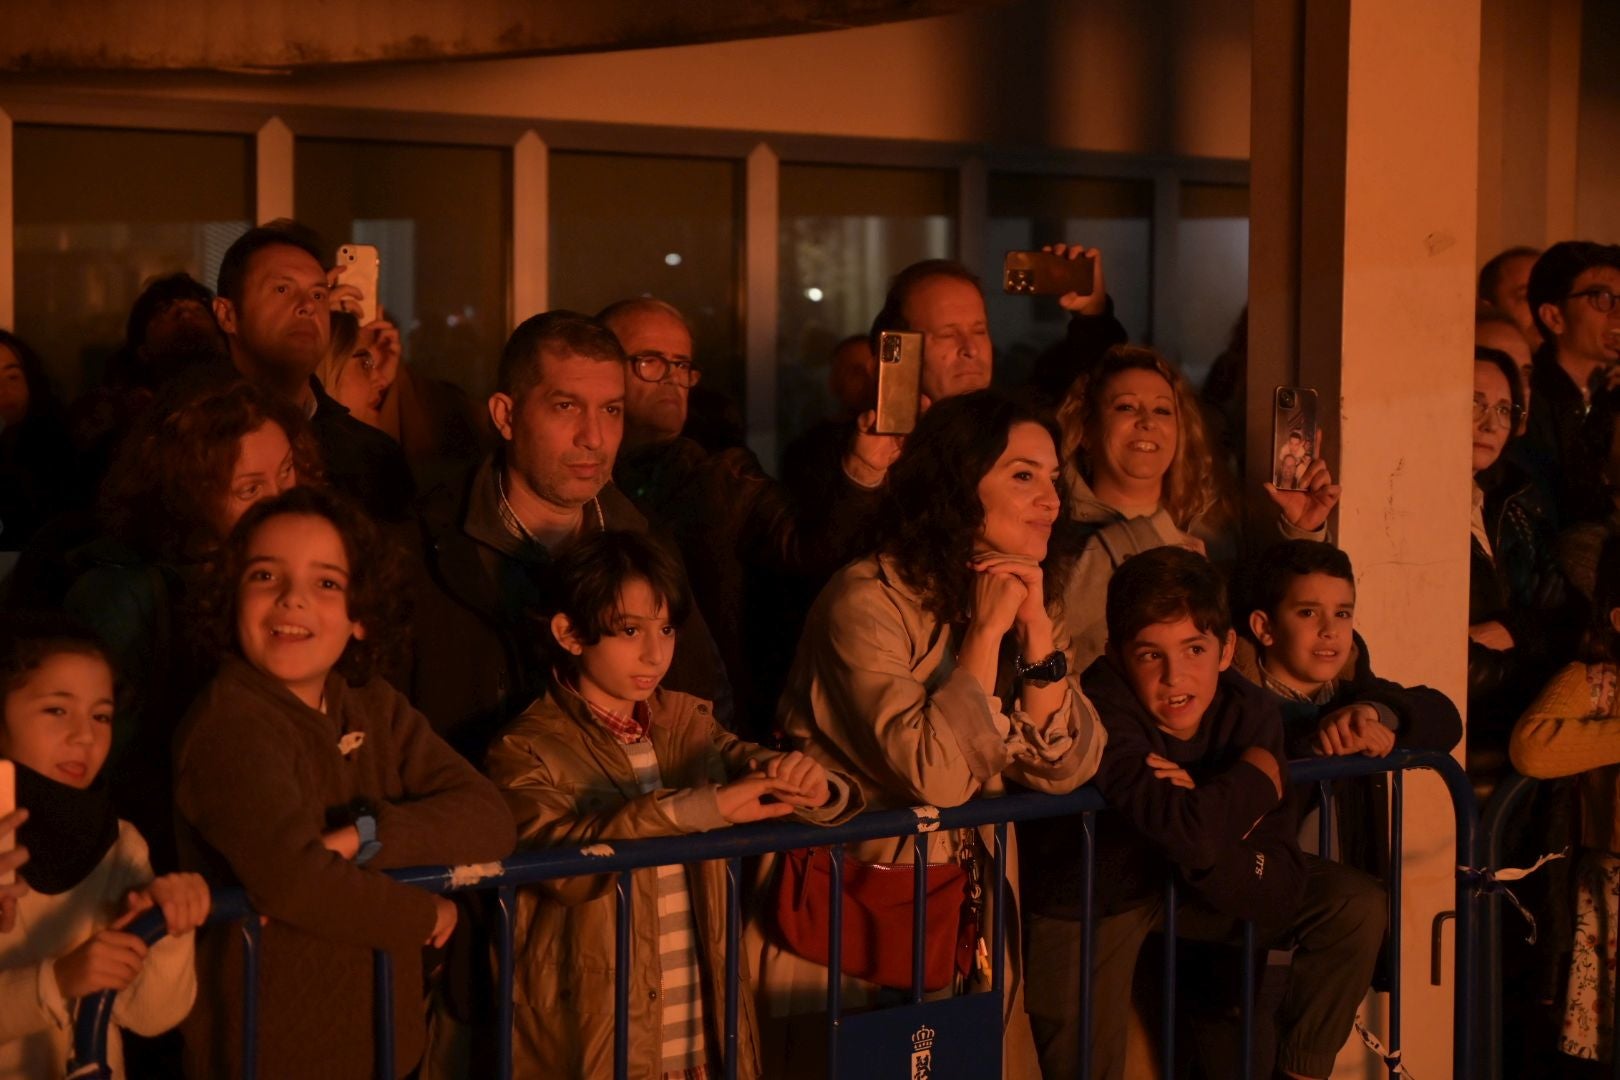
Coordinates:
<point>277,35</point>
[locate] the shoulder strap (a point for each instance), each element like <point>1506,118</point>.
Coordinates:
<point>1122,539</point>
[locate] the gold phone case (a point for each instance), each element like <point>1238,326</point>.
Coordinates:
<point>899,390</point>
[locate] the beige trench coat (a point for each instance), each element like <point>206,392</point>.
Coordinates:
<point>568,782</point>
<point>875,692</point>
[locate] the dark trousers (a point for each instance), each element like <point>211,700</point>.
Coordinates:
<point>1335,931</point>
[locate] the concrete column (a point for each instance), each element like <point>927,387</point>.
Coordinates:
<point>1387,157</point>
<point>273,169</point>
<point>531,227</point>
<point>761,274</point>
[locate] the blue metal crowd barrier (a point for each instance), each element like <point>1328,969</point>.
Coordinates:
<point>958,1048</point>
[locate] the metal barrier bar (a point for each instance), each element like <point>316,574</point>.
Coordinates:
<point>382,997</point>
<point>506,976</point>
<point>1499,810</point>
<point>998,947</point>
<point>1324,819</point>
<point>1088,843</point>
<point>621,977</point>
<point>1167,1036</point>
<point>919,914</point>
<point>835,954</point>
<point>1397,859</point>
<point>1248,999</point>
<point>735,843</point>
<point>733,959</point>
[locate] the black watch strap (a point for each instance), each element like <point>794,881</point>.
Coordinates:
<point>1048,670</point>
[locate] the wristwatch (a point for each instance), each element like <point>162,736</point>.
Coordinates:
<point>1044,672</point>
<point>365,823</point>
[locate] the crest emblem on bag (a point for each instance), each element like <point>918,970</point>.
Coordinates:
<point>922,1054</point>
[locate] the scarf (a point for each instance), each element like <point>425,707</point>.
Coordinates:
<point>68,830</point>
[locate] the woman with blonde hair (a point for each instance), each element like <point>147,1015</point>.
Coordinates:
<point>1141,472</point>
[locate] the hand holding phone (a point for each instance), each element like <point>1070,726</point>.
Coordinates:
<point>1301,483</point>
<point>355,278</point>
<point>899,390</point>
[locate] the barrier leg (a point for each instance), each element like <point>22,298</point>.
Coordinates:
<point>382,997</point>
<point>1248,1000</point>
<point>505,913</point>
<point>919,915</point>
<point>1088,836</point>
<point>621,980</point>
<point>1397,856</point>
<point>835,959</point>
<point>998,938</point>
<point>733,957</point>
<point>1168,1034</point>
<point>250,997</point>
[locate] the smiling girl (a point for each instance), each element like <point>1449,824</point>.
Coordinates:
<point>88,872</point>
<point>300,774</point>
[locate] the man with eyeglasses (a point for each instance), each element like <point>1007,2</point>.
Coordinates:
<point>1572,294</point>
<point>752,557</point>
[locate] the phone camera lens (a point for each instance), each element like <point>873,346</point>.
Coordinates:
<point>1286,399</point>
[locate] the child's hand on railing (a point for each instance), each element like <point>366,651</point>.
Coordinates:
<point>803,777</point>
<point>1354,729</point>
<point>109,960</point>
<point>444,921</point>
<point>184,898</point>
<point>743,800</point>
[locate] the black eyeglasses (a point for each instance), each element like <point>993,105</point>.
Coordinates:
<point>1506,415</point>
<point>656,367</point>
<point>1600,298</point>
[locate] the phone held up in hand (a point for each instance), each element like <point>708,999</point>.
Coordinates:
<point>1041,273</point>
<point>358,267</point>
<point>1293,436</point>
<point>899,384</point>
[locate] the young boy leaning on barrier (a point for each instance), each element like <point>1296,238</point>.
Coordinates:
<point>607,755</point>
<point>1307,653</point>
<point>1195,776</point>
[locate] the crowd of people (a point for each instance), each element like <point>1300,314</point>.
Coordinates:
<point>286,614</point>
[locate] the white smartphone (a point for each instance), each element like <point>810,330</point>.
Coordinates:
<point>8,803</point>
<point>358,267</point>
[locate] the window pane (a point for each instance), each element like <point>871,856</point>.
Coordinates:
<point>98,212</point>
<point>627,225</point>
<point>846,231</point>
<point>1212,271</point>
<point>439,218</point>
<point>1115,216</point>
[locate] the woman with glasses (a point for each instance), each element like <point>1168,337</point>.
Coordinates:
<point>1523,616</point>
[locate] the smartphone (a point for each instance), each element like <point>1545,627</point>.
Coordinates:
<point>358,266</point>
<point>899,384</point>
<point>1293,436</point>
<point>8,803</point>
<point>1041,273</point>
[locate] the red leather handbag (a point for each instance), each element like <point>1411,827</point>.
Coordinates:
<point>878,906</point>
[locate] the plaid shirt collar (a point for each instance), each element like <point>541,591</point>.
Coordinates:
<point>626,729</point>
<point>1288,693</point>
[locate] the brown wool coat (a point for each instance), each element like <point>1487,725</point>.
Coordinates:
<point>568,782</point>
<point>257,773</point>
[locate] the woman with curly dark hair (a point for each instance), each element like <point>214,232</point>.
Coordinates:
<point>199,457</point>
<point>296,752</point>
<point>933,672</point>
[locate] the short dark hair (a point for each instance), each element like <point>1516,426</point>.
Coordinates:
<point>283,232</point>
<point>29,638</point>
<point>552,333</point>
<point>1556,270</point>
<point>892,316</point>
<point>158,294</point>
<point>1161,585</point>
<point>42,398</point>
<point>1490,275</point>
<point>377,577</point>
<point>1274,571</point>
<point>592,571</point>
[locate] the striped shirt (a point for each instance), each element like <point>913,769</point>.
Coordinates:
<point>684,1046</point>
